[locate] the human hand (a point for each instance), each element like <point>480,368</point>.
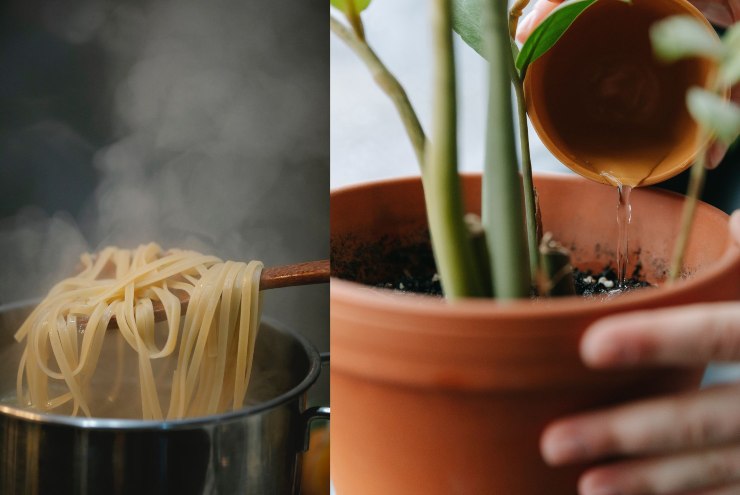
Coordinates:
<point>530,21</point>
<point>718,12</point>
<point>687,444</point>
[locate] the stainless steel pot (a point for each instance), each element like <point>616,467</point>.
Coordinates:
<point>256,450</point>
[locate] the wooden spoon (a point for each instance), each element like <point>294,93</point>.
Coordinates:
<point>275,277</point>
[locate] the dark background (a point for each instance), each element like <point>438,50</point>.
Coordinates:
<point>722,187</point>
<point>74,91</point>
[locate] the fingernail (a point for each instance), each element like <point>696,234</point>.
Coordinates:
<point>716,153</point>
<point>522,30</point>
<point>599,351</point>
<point>595,352</point>
<point>561,449</point>
<point>735,226</point>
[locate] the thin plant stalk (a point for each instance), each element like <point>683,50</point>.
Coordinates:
<point>556,277</point>
<point>388,83</point>
<point>696,184</point>
<point>453,250</point>
<point>503,216</point>
<point>514,14</point>
<point>354,19</point>
<point>530,202</point>
<point>480,250</point>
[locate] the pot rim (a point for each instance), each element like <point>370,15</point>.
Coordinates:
<point>176,424</point>
<point>388,300</point>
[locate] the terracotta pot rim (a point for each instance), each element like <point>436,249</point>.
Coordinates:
<point>387,300</point>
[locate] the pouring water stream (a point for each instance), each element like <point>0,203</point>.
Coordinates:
<point>624,217</point>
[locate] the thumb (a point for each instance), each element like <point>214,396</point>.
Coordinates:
<point>735,226</point>
<point>715,154</point>
<point>719,12</point>
<point>530,22</point>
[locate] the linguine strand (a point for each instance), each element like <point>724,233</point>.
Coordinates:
<point>212,345</point>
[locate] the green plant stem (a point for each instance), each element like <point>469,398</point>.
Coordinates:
<point>451,243</point>
<point>354,19</point>
<point>503,217</point>
<point>556,277</point>
<point>514,14</point>
<point>696,184</point>
<point>388,83</point>
<point>530,202</point>
<point>480,251</point>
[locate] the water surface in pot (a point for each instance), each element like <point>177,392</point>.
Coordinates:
<point>279,365</point>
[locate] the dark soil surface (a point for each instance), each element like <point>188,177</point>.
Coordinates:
<point>605,282</point>
<point>412,269</point>
<point>587,283</point>
<point>406,281</point>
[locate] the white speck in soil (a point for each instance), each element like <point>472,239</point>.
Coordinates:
<point>605,283</point>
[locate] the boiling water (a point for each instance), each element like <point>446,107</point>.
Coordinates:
<point>114,390</point>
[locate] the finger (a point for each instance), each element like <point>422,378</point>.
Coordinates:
<point>530,22</point>
<point>687,335</point>
<point>715,154</point>
<point>719,12</point>
<point>735,226</point>
<point>666,475</point>
<point>697,420</point>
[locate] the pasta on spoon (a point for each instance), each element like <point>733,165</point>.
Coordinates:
<point>211,348</point>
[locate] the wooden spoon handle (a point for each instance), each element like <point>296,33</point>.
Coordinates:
<point>275,277</point>
<point>306,273</point>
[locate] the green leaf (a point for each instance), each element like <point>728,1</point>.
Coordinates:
<point>730,67</point>
<point>729,71</point>
<point>360,5</point>
<point>683,36</point>
<point>550,31</point>
<point>466,21</point>
<point>732,37</point>
<point>719,116</point>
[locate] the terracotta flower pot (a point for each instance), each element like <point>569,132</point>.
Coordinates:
<point>436,397</point>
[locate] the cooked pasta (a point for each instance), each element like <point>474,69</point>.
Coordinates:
<point>213,345</point>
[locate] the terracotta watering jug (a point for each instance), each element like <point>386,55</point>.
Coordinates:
<point>601,102</point>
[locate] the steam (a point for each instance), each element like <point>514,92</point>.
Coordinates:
<point>212,149</point>
<point>43,248</point>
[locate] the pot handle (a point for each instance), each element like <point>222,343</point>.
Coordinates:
<point>320,413</point>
